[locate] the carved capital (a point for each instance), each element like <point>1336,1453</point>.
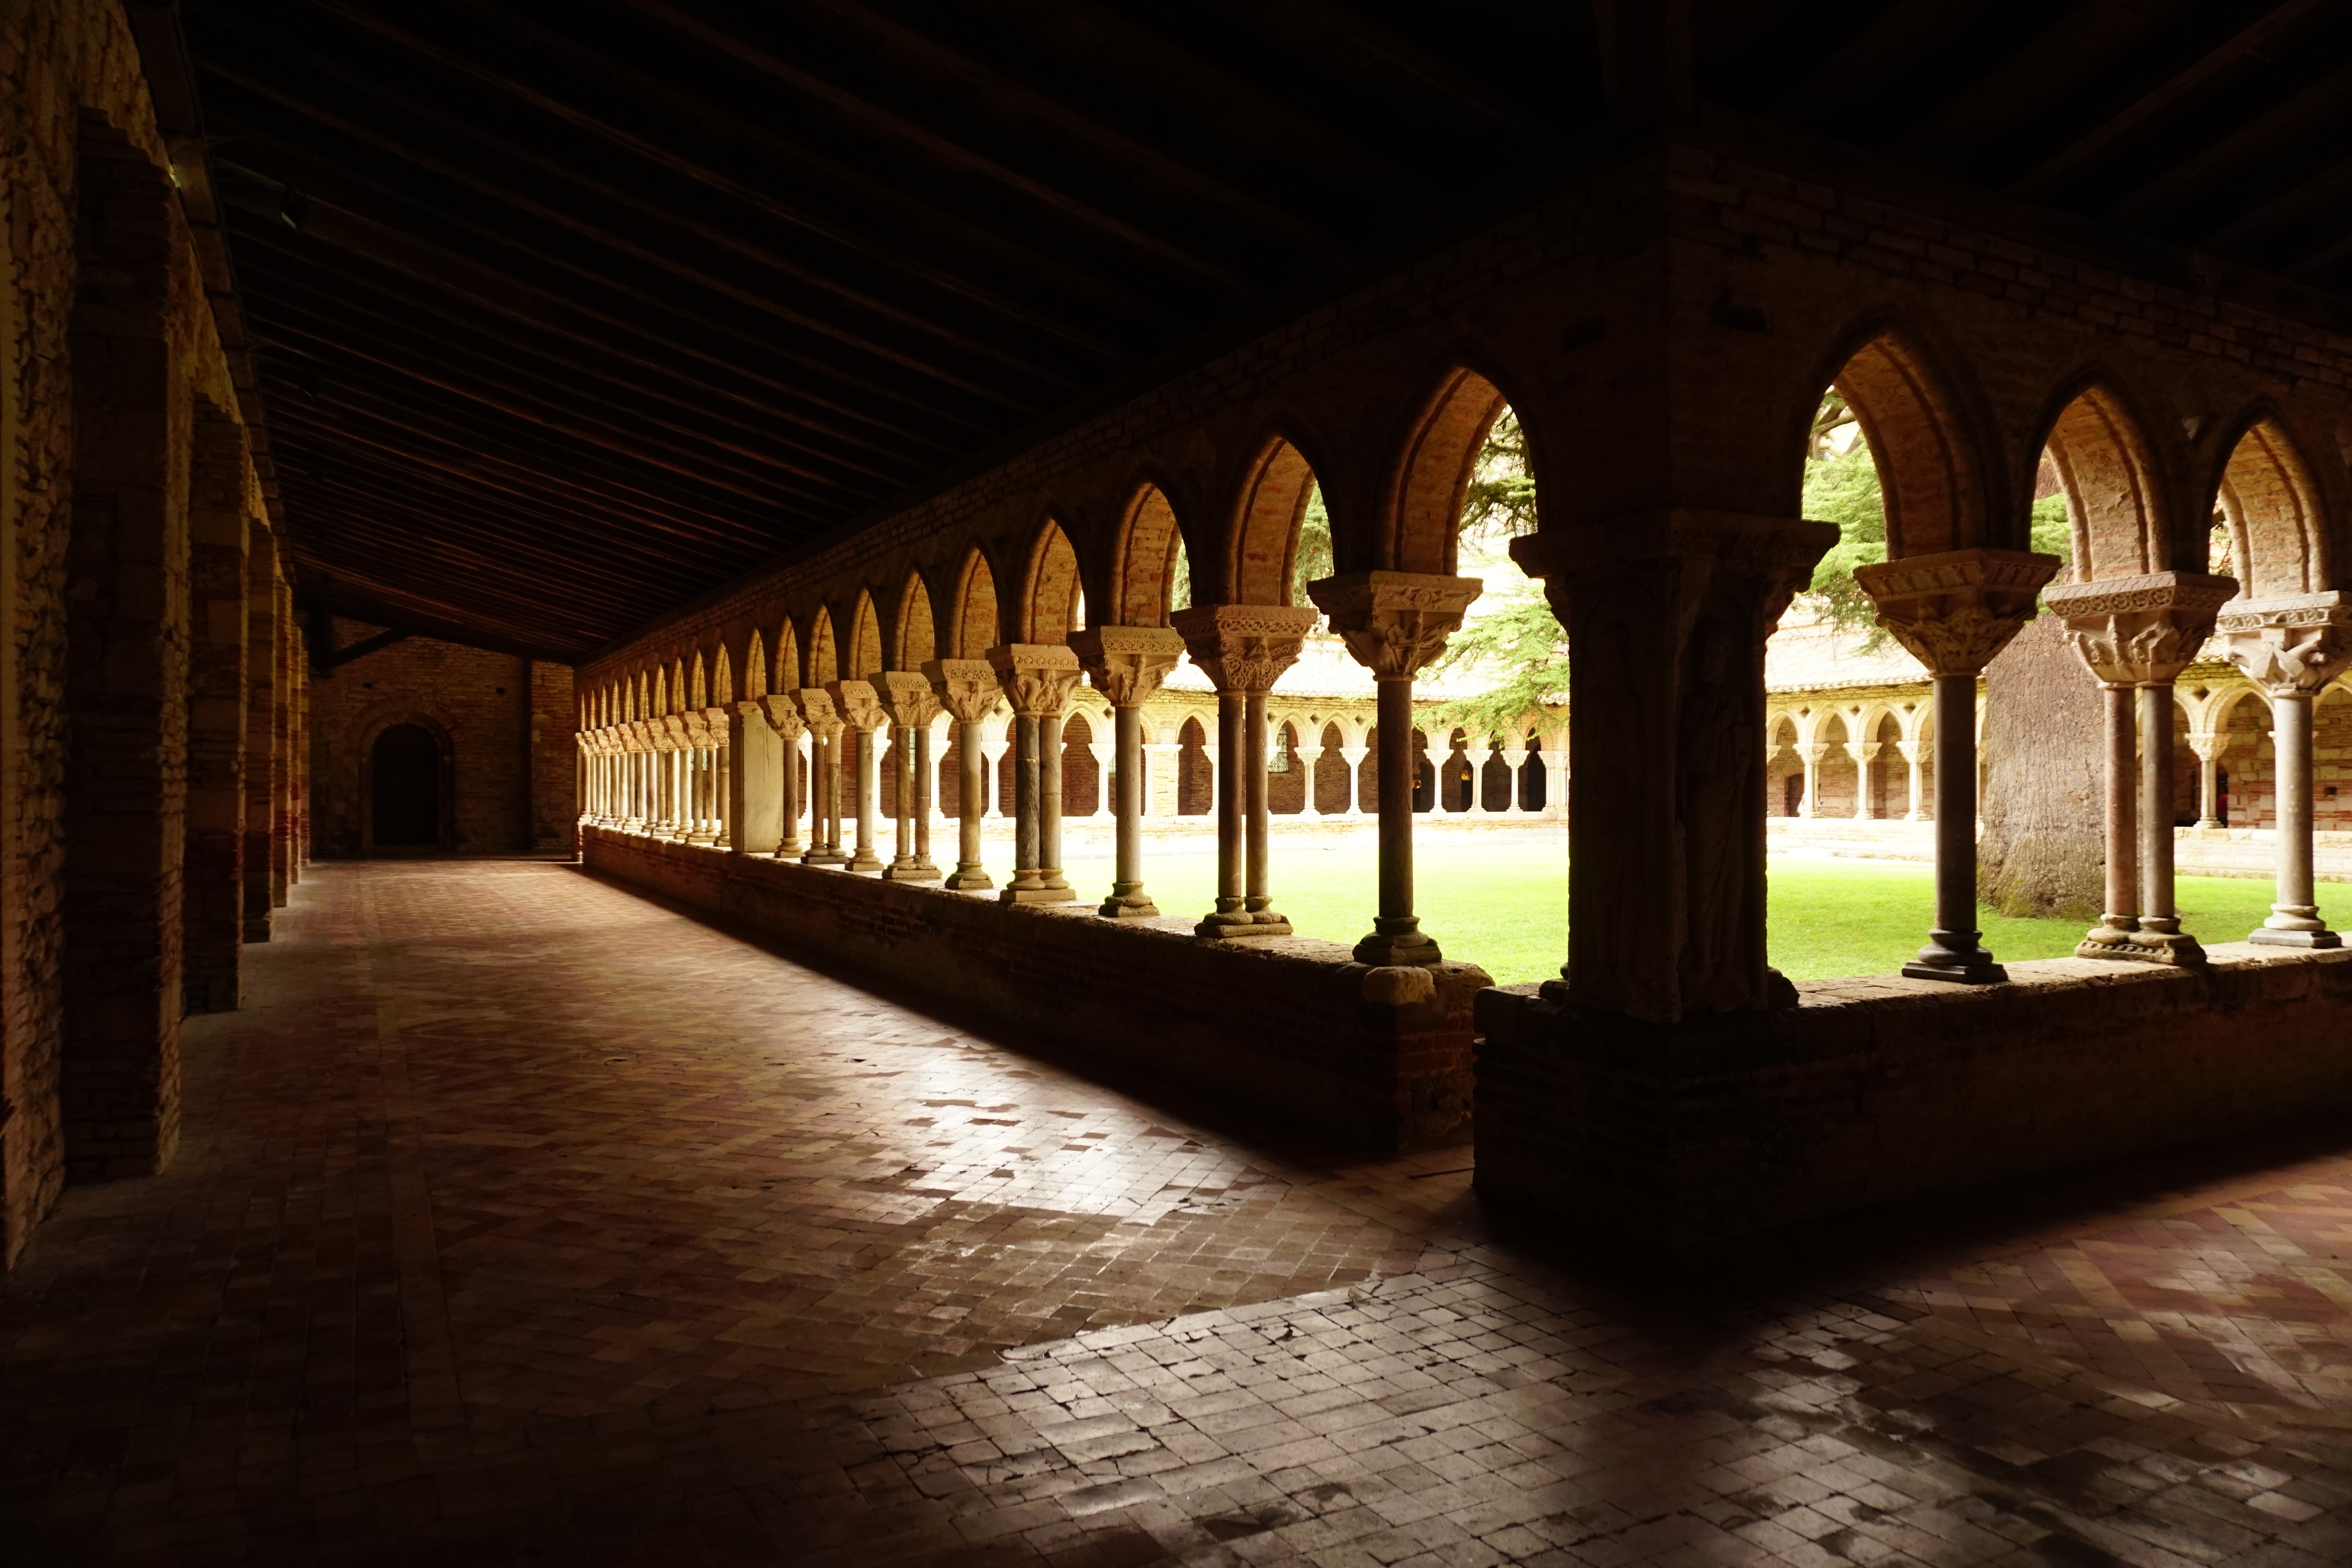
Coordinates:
<point>669,733</point>
<point>1956,609</point>
<point>859,705</point>
<point>1126,664</point>
<point>817,713</point>
<point>2136,630</point>
<point>632,737</point>
<point>907,698</point>
<point>967,688</point>
<point>1394,622</point>
<point>1036,677</point>
<point>781,716</point>
<point>2291,645</point>
<point>697,731</point>
<point>2207,744</point>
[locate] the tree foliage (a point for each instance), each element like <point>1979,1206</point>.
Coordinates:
<point>1515,635</point>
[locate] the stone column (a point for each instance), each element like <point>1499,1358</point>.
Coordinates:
<point>1477,750</point>
<point>1866,757</point>
<point>2292,647</point>
<point>1954,611</point>
<point>2137,634</point>
<point>1106,756</point>
<point>1811,753</point>
<point>720,765</point>
<point>1127,664</point>
<point>1036,678</point>
<point>701,819</point>
<point>2208,745</point>
<point>992,748</point>
<point>1911,751</point>
<point>1353,755</point>
<point>967,689</point>
<point>1556,784</point>
<point>861,709</point>
<point>1304,757</point>
<point>1394,624</point>
<point>1243,649</point>
<point>907,698</point>
<point>825,727</point>
<point>784,719</point>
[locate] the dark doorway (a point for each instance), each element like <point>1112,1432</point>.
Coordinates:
<point>406,767</point>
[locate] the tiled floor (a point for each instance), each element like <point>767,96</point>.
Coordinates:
<point>520,1220</point>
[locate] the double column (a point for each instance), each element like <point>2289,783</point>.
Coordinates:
<point>968,690</point>
<point>1036,678</point>
<point>2137,634</point>
<point>1394,623</point>
<point>1953,610</point>
<point>2292,647</point>
<point>1127,664</point>
<point>861,712</point>
<point>1668,612</point>
<point>907,698</point>
<point>824,727</point>
<point>783,716</point>
<point>1243,649</point>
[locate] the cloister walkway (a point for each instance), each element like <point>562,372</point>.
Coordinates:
<point>520,1220</point>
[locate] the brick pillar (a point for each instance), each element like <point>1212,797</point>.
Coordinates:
<point>555,759</point>
<point>126,685</point>
<point>213,911</point>
<point>297,754</point>
<point>283,762</point>
<point>261,759</point>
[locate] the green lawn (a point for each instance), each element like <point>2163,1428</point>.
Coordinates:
<point>1505,906</point>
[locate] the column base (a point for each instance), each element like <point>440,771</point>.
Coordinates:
<point>865,861</point>
<point>1412,948</point>
<point>1957,958</point>
<point>2268,937</point>
<point>1037,896</point>
<point>909,871</point>
<point>824,857</point>
<point>1235,924</point>
<point>968,879</point>
<point>2142,946</point>
<point>1128,904</point>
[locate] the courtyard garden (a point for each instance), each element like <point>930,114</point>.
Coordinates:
<point>1504,906</point>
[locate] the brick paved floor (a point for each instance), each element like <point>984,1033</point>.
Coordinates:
<point>522,1221</point>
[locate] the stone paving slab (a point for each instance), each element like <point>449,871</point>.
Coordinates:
<point>523,1222</point>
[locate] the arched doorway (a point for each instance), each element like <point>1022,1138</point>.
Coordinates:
<point>405,789</point>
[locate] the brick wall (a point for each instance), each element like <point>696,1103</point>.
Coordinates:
<point>508,724</point>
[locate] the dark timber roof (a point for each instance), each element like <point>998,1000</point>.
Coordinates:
<point>564,311</point>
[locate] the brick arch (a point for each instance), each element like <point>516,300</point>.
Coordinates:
<point>1433,478</point>
<point>2267,496</point>
<point>699,692</point>
<point>1928,472</point>
<point>1051,595</point>
<point>915,634</point>
<point>1262,551</point>
<point>2108,477</point>
<point>862,656</point>
<point>977,624</point>
<point>722,679</point>
<point>824,663</point>
<point>755,668</point>
<point>658,700</point>
<point>1143,562</point>
<point>787,677</point>
<point>438,723</point>
<point>677,685</point>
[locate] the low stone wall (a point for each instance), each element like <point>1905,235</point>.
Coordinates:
<point>2250,852</point>
<point>1285,1029</point>
<point>1880,1090</point>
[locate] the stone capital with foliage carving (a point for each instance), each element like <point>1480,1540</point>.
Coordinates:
<point>859,705</point>
<point>2289,646</point>
<point>1394,622</point>
<point>697,731</point>
<point>2142,629</point>
<point>817,711</point>
<point>1955,610</point>
<point>781,716</point>
<point>967,688</point>
<point>906,698</point>
<point>1127,663</point>
<point>1244,648</point>
<point>669,733</point>
<point>1036,677</point>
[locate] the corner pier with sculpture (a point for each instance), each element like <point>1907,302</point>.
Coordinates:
<point>1663,333</point>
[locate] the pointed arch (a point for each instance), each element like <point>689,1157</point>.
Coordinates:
<point>2266,494</point>
<point>755,668</point>
<point>824,666</point>
<point>788,658</point>
<point>1928,473</point>
<point>677,685</point>
<point>1433,479</point>
<point>1143,564</point>
<point>1051,598</point>
<point>862,657</point>
<point>660,706</point>
<point>918,635</point>
<point>698,693</point>
<point>975,629</point>
<point>722,680</point>
<point>1265,551</point>
<point>2106,473</point>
